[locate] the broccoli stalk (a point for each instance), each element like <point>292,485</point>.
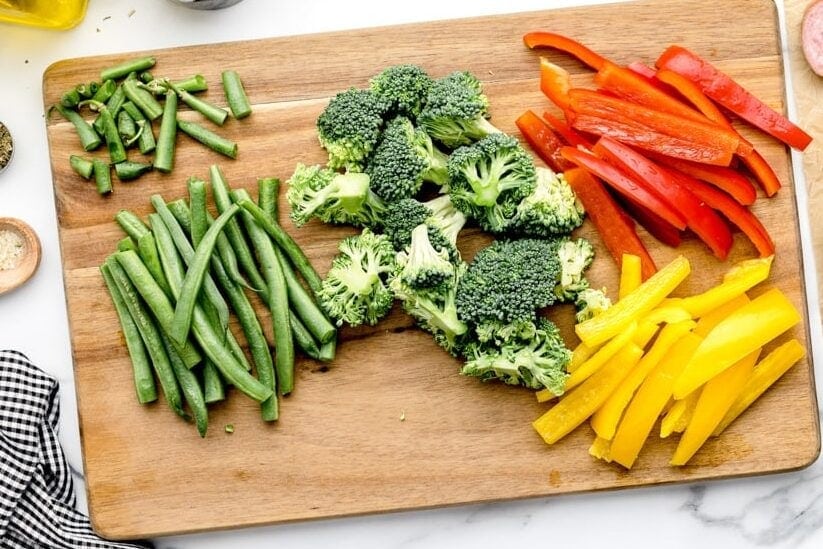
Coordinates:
<point>332,197</point>
<point>355,289</point>
<point>404,159</point>
<point>551,209</point>
<point>589,303</point>
<point>421,266</point>
<point>456,110</point>
<point>489,179</point>
<point>350,127</point>
<point>575,257</point>
<point>537,362</point>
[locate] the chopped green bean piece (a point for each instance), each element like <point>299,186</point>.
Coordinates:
<point>145,139</point>
<point>192,84</point>
<point>146,77</point>
<point>88,137</point>
<point>131,224</point>
<point>70,99</point>
<point>105,91</point>
<point>126,243</point>
<point>127,67</point>
<point>143,99</point>
<point>128,170</point>
<point>207,137</point>
<point>126,128</point>
<point>236,95</point>
<point>164,153</point>
<point>212,112</point>
<point>81,166</point>
<point>102,176</point>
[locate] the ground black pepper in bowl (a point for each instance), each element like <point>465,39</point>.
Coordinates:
<point>6,147</point>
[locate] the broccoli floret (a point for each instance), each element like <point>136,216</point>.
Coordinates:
<point>350,126</point>
<point>355,289</point>
<point>575,257</point>
<point>498,333</point>
<point>435,310</point>
<point>403,87</point>
<point>439,214</point>
<point>537,362</point>
<point>590,303</point>
<point>489,179</point>
<point>551,209</point>
<point>421,265</point>
<point>315,191</point>
<point>508,281</point>
<point>456,110</point>
<point>404,159</point>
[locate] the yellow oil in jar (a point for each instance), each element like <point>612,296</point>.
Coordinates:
<point>50,14</point>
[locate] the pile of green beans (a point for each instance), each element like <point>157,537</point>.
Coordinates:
<point>126,102</point>
<point>177,278</point>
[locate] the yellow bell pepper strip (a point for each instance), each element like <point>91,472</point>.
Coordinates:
<point>677,418</point>
<point>716,398</point>
<point>645,332</point>
<point>739,279</point>
<point>601,449</point>
<point>670,314</point>
<point>711,319</point>
<point>748,328</point>
<point>646,297</point>
<point>605,419</point>
<point>601,357</point>
<point>765,374</point>
<point>580,355</point>
<point>578,405</point>
<point>649,401</point>
<point>630,275</point>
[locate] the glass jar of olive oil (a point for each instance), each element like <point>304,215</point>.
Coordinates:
<point>50,14</point>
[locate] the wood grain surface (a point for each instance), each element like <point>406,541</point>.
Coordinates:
<point>391,425</point>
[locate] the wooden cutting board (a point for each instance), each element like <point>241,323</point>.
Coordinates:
<point>390,425</point>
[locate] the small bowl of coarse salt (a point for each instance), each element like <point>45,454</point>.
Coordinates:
<point>19,253</point>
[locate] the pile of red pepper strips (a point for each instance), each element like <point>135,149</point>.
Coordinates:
<point>663,146</point>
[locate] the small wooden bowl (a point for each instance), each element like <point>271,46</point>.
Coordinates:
<point>12,278</point>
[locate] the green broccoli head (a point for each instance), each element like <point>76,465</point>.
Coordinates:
<point>434,309</point>
<point>590,303</point>
<point>489,179</point>
<point>498,333</point>
<point>315,191</point>
<point>403,160</point>
<point>439,214</point>
<point>508,281</point>
<point>403,87</point>
<point>575,257</point>
<point>355,290</point>
<point>349,128</point>
<point>421,265</point>
<point>456,110</point>
<point>538,362</point>
<point>551,209</point>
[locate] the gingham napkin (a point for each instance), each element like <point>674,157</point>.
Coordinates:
<point>37,505</point>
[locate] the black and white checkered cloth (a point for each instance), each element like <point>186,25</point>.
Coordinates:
<point>37,505</point>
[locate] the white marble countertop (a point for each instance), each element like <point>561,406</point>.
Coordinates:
<point>780,510</point>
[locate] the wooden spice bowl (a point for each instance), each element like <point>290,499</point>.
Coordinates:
<point>30,260</point>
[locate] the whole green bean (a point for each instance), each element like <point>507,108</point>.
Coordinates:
<point>88,137</point>
<point>194,278</point>
<point>220,190</point>
<point>212,112</point>
<point>286,243</point>
<point>302,337</point>
<point>128,170</point>
<point>267,191</point>
<point>145,139</point>
<point>148,252</point>
<point>199,213</point>
<point>209,340</point>
<point>105,91</point>
<point>236,95</point>
<point>127,67</point>
<point>164,153</point>
<point>213,388</point>
<point>81,166</point>
<point>207,137</point>
<point>141,368</point>
<point>126,243</point>
<point>278,302</point>
<point>190,387</point>
<point>149,333</point>
<point>143,99</point>
<point>102,176</point>
<point>131,224</point>
<point>305,307</point>
<point>328,350</point>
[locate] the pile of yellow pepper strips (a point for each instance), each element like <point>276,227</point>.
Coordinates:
<point>702,368</point>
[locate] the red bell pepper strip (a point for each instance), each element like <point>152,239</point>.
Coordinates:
<point>634,190</point>
<point>728,93</point>
<point>700,218</point>
<point>651,77</point>
<point>559,42</point>
<point>542,140</point>
<point>760,169</point>
<point>739,215</point>
<point>727,179</point>
<point>555,83</point>
<point>565,131</point>
<point>615,227</point>
<point>656,226</point>
<point>633,87</point>
<point>652,130</point>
